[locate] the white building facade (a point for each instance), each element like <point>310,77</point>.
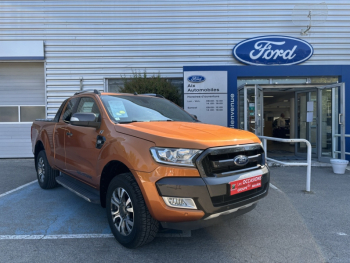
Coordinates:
<point>93,44</point>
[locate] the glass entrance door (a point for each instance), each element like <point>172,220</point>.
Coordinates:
<point>251,108</point>
<point>306,119</point>
<point>331,108</point>
<point>259,110</point>
<point>320,115</point>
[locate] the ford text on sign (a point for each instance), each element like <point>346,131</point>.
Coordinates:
<point>273,50</point>
<point>245,185</point>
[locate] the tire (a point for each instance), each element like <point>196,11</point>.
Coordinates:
<point>45,174</point>
<point>129,219</point>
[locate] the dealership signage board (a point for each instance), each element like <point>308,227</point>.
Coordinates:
<point>272,50</point>
<point>205,95</point>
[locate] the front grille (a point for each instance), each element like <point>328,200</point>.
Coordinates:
<point>219,162</point>
<point>231,199</point>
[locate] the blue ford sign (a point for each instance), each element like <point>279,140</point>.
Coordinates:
<point>273,50</point>
<point>196,78</point>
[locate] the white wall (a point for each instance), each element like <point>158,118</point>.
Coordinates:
<point>15,140</point>
<point>99,39</point>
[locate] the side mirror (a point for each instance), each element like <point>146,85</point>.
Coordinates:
<point>84,119</point>
<point>195,116</point>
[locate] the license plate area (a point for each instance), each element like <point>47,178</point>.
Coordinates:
<point>244,185</point>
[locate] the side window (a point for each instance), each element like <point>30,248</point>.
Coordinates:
<point>69,109</point>
<point>88,105</point>
<point>59,112</point>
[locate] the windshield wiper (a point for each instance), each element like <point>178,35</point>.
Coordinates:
<point>163,120</point>
<point>126,122</point>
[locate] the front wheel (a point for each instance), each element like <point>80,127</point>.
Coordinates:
<point>129,219</point>
<point>45,174</point>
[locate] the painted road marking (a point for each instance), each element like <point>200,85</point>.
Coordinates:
<point>18,188</point>
<point>11,237</point>
<point>342,234</point>
<point>70,236</point>
<point>274,187</point>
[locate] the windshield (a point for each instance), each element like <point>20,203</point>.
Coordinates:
<point>134,108</point>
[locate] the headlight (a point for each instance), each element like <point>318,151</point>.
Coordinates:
<point>182,157</point>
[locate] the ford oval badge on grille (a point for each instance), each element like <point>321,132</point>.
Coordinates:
<point>241,160</point>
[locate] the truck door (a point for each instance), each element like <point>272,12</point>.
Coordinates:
<point>81,151</point>
<point>61,133</point>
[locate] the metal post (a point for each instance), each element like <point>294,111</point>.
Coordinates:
<point>308,172</point>
<point>308,163</point>
<point>265,147</point>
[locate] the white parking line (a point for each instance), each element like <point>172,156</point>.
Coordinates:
<point>18,188</point>
<point>274,187</point>
<point>341,234</point>
<point>29,237</point>
<point>70,236</point>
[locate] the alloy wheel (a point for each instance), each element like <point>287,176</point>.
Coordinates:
<point>41,170</point>
<point>122,211</point>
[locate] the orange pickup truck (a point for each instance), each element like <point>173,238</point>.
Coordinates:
<point>150,163</point>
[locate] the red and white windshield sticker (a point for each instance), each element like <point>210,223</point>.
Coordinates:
<point>244,185</point>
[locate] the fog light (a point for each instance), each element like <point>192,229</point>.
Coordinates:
<point>180,202</point>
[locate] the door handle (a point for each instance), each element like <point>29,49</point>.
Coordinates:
<point>69,134</point>
<point>340,114</point>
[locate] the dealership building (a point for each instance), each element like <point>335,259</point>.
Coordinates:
<point>240,64</point>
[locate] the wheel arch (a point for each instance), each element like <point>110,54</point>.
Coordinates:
<point>39,146</point>
<point>110,170</point>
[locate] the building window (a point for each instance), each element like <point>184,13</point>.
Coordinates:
<point>21,113</point>
<point>114,85</point>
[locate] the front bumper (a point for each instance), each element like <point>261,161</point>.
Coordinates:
<point>224,217</point>
<point>212,196</point>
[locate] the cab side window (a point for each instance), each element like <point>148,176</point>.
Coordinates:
<point>88,105</point>
<point>59,112</point>
<point>69,109</point>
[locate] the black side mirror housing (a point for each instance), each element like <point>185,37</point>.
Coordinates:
<point>84,119</point>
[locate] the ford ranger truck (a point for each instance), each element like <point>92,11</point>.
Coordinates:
<point>149,163</point>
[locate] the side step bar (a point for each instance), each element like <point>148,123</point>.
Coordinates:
<point>87,192</point>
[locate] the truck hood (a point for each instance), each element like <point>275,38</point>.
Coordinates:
<point>187,134</point>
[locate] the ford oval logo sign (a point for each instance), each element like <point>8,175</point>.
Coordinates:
<point>241,160</point>
<point>196,78</point>
<point>273,50</point>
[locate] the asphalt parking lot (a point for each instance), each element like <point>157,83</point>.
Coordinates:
<point>287,226</point>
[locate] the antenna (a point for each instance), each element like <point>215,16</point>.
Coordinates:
<point>309,15</point>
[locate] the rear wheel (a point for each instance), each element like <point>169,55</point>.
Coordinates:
<point>129,219</point>
<point>45,174</point>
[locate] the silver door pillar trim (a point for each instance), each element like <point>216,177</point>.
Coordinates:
<point>245,109</point>
<point>342,125</point>
<point>334,142</point>
<point>319,124</point>
<point>259,100</point>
